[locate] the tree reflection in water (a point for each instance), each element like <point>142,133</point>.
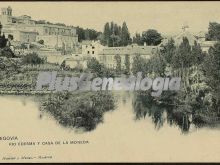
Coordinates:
<point>144,105</point>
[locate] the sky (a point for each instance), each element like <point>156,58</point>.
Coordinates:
<point>166,17</point>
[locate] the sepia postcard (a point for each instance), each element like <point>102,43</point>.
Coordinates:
<point>109,81</point>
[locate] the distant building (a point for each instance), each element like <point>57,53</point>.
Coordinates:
<point>24,29</point>
<point>185,33</point>
<point>19,34</point>
<point>206,45</point>
<point>199,38</point>
<point>107,55</point>
<point>91,48</point>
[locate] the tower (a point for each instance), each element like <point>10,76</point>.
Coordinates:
<point>6,11</point>
<point>9,11</point>
<point>6,15</point>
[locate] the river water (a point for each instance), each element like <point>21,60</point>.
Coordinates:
<point>120,138</point>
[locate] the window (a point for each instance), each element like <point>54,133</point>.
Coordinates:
<point>93,47</point>
<point>88,52</point>
<point>93,52</point>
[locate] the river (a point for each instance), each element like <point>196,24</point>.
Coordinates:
<point>120,138</point>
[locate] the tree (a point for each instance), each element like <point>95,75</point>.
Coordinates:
<point>138,64</point>
<point>106,34</point>
<point>137,39</point>
<point>151,37</point>
<point>211,68</point>
<point>32,58</point>
<point>168,51</point>
<point>118,63</point>
<point>156,65</point>
<point>182,57</point>
<point>127,64</point>
<point>11,37</point>
<point>41,42</point>
<point>213,31</point>
<point>197,54</point>
<point>3,41</point>
<point>80,33</point>
<point>87,34</point>
<point>125,35</point>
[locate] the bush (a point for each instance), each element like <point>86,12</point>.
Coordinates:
<point>32,58</point>
<point>7,52</point>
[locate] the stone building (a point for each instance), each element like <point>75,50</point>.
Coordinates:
<point>24,29</point>
<point>107,55</point>
<point>91,48</point>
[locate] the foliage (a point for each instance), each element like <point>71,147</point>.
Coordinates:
<point>115,35</point>
<point>138,65</point>
<point>118,63</point>
<point>211,68</point>
<point>41,42</point>
<point>213,31</point>
<point>32,58</point>
<point>6,52</point>
<point>151,37</point>
<point>127,64</point>
<point>168,51</point>
<point>11,37</point>
<point>79,109</point>
<point>156,65</point>
<point>87,34</point>
<point>182,58</point>
<point>3,41</point>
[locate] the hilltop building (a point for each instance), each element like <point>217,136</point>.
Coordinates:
<point>26,30</point>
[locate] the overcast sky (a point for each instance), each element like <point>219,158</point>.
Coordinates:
<point>166,17</point>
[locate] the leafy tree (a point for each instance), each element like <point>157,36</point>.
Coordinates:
<point>151,37</point>
<point>211,68</point>
<point>213,31</point>
<point>87,34</point>
<point>197,54</point>
<point>6,52</point>
<point>156,65</point>
<point>137,39</point>
<point>168,51</point>
<point>138,64</point>
<point>118,63</point>
<point>127,64</point>
<point>182,57</point>
<point>3,41</point>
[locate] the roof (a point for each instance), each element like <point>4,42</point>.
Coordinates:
<point>86,42</point>
<point>208,43</point>
<point>142,50</point>
<point>179,38</point>
<point>201,34</point>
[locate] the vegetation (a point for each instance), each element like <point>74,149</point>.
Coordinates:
<point>87,34</point>
<point>83,110</point>
<point>150,37</point>
<point>98,69</point>
<point>32,58</point>
<point>115,35</point>
<point>213,32</point>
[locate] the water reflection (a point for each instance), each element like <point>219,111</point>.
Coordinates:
<point>144,105</point>
<point>119,138</point>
